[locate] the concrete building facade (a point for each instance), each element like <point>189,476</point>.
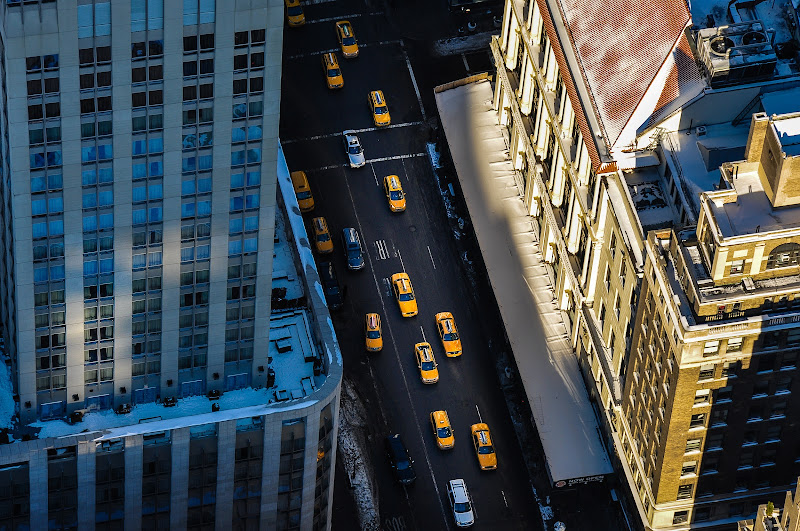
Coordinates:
<point>159,376</point>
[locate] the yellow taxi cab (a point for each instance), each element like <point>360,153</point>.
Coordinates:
<point>394,193</point>
<point>372,332</point>
<point>380,112</point>
<point>404,293</point>
<point>322,237</point>
<point>446,326</point>
<point>347,39</point>
<point>305,200</point>
<point>294,13</point>
<point>426,363</point>
<point>442,431</point>
<point>484,449</point>
<point>333,74</point>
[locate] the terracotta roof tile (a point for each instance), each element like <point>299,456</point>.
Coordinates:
<point>684,79</point>
<point>620,46</point>
<point>569,83</point>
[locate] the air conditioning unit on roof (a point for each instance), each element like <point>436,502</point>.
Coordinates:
<point>736,53</point>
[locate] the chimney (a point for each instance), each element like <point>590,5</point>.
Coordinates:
<point>755,140</point>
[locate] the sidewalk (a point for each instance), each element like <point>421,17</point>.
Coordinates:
<point>534,325</point>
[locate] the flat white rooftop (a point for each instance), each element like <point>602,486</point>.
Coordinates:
<point>294,380</point>
<point>547,364</point>
<point>788,132</point>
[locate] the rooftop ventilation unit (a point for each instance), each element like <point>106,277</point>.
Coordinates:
<point>737,53</point>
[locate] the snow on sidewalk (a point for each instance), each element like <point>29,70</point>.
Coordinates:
<point>352,449</point>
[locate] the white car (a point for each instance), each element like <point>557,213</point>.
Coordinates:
<point>353,148</point>
<point>461,502</point>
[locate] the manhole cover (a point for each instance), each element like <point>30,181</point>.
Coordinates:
<point>413,228</point>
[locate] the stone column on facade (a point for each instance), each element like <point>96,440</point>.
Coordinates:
<point>720,259</point>
<point>269,471</point>
<point>593,270</point>
<point>576,222</point>
<point>505,105</point>
<point>507,16</point>
<point>533,194</point>
<point>38,478</point>
<point>179,486</point>
<point>87,480</point>
<point>527,81</point>
<point>498,97</point>
<point>133,482</point>
<point>758,256</point>
<point>558,172</point>
<point>226,458</point>
<point>512,50</point>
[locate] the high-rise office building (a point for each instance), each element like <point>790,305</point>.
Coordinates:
<point>165,352</point>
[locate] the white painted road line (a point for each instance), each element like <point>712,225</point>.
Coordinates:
<point>504,498</point>
<point>423,333</point>
<point>374,174</point>
<point>398,157</point>
<point>370,161</point>
<point>355,131</point>
<point>479,414</point>
<point>400,256</point>
<point>381,249</point>
<point>414,81</point>
<point>466,64</point>
<point>343,17</point>
<point>388,325</point>
<point>320,52</point>
<point>431,255</point>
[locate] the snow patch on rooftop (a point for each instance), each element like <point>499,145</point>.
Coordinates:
<point>284,274</point>
<point>293,375</point>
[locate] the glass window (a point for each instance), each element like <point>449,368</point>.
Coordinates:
<point>155,14</point>
<point>85,21</point>
<point>102,19</point>
<point>138,15</point>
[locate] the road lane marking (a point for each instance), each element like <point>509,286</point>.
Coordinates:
<point>343,17</point>
<point>431,255</point>
<point>381,249</point>
<point>401,260</point>
<point>320,52</point>
<point>479,414</point>
<point>374,174</point>
<point>370,161</point>
<point>414,413</point>
<point>504,498</point>
<point>414,81</point>
<point>466,64</point>
<point>423,333</point>
<point>355,131</point>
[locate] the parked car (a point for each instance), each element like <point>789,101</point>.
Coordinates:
<point>330,285</point>
<point>399,459</point>
<point>460,502</point>
<point>351,243</point>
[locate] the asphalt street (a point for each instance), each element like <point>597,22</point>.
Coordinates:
<point>419,241</point>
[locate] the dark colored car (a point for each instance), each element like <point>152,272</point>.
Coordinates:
<point>401,463</point>
<point>330,285</point>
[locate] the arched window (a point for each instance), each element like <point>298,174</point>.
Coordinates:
<point>785,255</point>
